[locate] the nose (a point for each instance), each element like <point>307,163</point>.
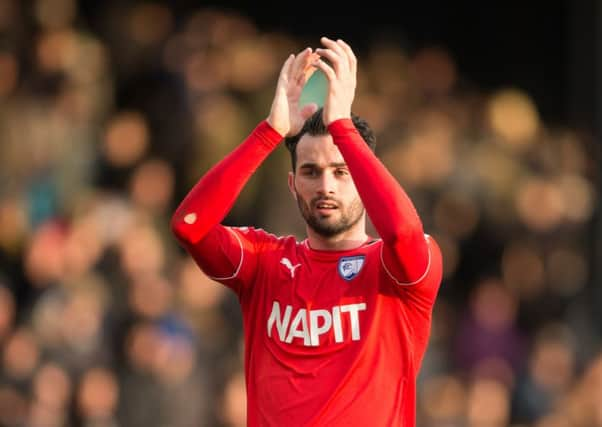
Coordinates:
<point>326,184</point>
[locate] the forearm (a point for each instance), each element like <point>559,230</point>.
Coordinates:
<point>210,200</point>
<point>392,212</point>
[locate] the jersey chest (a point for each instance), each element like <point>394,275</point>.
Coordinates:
<point>310,303</point>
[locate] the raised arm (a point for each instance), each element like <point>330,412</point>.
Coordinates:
<point>210,200</point>
<point>405,249</point>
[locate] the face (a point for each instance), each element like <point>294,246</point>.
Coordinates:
<point>324,189</point>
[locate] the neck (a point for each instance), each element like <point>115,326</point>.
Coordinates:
<point>350,239</point>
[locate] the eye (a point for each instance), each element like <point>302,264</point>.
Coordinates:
<point>341,172</point>
<point>310,172</point>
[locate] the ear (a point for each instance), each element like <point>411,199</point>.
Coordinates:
<point>291,184</point>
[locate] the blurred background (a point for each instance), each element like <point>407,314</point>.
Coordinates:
<point>489,115</point>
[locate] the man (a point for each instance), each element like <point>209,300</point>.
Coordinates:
<point>336,325</point>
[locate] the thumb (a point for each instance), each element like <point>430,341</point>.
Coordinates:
<point>308,110</point>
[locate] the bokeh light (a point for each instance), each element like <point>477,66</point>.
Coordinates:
<point>126,139</point>
<point>513,116</point>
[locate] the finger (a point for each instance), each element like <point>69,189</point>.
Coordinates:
<point>338,50</point>
<point>333,58</point>
<point>306,68</point>
<point>308,110</point>
<point>300,65</point>
<point>309,68</point>
<point>301,61</point>
<point>284,76</point>
<point>333,45</point>
<point>350,55</point>
<point>286,67</point>
<point>326,69</point>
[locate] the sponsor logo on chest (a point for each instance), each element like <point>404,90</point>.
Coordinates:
<point>308,325</point>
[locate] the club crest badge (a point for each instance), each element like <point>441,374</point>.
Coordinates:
<point>349,267</point>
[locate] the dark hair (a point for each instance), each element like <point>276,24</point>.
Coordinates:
<point>315,126</point>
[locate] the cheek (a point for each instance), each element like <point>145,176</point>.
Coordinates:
<point>350,191</point>
<point>302,188</point>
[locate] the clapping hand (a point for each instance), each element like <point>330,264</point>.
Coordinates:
<point>340,69</point>
<point>286,115</point>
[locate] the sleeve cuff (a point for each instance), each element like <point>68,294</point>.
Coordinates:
<point>268,134</point>
<point>341,127</point>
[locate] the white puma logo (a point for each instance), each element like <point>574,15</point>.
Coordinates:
<point>287,263</point>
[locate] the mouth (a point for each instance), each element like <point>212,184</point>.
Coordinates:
<point>325,207</point>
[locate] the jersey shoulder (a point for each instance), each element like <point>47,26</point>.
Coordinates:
<point>264,242</point>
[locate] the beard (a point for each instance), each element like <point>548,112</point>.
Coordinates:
<point>328,226</point>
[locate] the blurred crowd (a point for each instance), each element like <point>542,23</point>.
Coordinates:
<point>107,120</point>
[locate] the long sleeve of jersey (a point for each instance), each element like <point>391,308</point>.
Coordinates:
<point>210,200</point>
<point>405,250</point>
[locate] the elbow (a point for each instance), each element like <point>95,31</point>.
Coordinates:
<point>188,228</point>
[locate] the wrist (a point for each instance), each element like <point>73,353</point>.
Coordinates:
<point>336,117</point>
<point>274,127</point>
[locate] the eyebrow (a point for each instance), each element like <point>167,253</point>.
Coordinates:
<point>315,165</point>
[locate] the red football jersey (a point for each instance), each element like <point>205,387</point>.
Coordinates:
<point>332,338</point>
